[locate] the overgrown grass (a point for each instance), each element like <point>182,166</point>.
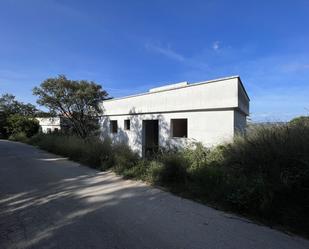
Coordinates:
<point>92,151</point>
<point>264,174</point>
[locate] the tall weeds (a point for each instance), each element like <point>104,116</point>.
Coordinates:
<point>264,174</point>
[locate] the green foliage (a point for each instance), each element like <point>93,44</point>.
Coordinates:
<point>174,170</point>
<point>20,136</point>
<point>17,124</point>
<point>78,101</point>
<point>302,120</point>
<point>91,151</point>
<point>10,106</point>
<point>264,174</point>
<point>268,174</point>
<point>124,158</point>
<point>196,155</point>
<point>153,174</point>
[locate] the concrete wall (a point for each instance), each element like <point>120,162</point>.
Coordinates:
<point>243,99</point>
<point>49,124</point>
<point>199,96</point>
<point>215,110</point>
<point>240,122</point>
<point>208,127</point>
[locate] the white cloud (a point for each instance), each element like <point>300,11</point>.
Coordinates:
<point>166,51</point>
<point>295,66</point>
<point>216,45</point>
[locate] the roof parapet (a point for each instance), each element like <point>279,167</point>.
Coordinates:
<point>169,87</point>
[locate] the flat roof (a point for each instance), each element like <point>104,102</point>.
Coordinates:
<point>185,86</point>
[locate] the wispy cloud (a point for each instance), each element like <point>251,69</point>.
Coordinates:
<point>295,66</point>
<point>165,50</point>
<point>216,45</point>
<point>192,62</point>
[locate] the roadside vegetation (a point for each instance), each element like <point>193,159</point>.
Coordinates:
<point>17,119</point>
<point>263,175</point>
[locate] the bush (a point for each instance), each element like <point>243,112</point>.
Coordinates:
<point>196,155</point>
<point>124,158</point>
<point>20,136</point>
<point>20,124</point>
<point>174,170</point>
<point>267,174</point>
<point>302,121</point>
<point>154,172</point>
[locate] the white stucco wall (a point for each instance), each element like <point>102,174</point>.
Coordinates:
<point>49,124</point>
<point>215,110</point>
<point>208,127</point>
<point>243,99</point>
<point>198,96</point>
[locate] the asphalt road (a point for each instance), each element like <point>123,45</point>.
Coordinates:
<point>49,202</point>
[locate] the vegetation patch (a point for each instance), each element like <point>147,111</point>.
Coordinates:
<point>264,174</point>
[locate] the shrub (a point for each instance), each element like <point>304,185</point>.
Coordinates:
<point>302,121</point>
<point>196,155</point>
<point>137,171</point>
<point>154,172</point>
<point>267,174</point>
<point>174,170</point>
<point>20,124</point>
<point>20,136</point>
<point>124,158</point>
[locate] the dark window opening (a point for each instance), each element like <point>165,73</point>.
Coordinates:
<point>179,127</point>
<point>113,126</point>
<point>127,124</point>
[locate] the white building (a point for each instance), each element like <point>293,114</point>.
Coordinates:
<point>49,124</point>
<point>210,112</point>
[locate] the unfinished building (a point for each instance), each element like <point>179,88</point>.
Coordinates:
<point>210,112</point>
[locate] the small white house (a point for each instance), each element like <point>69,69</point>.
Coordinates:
<point>49,124</point>
<point>210,112</point>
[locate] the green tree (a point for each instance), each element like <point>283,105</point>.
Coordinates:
<point>17,124</point>
<point>10,106</point>
<point>301,120</point>
<point>77,101</point>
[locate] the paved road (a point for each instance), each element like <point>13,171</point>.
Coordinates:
<point>49,202</point>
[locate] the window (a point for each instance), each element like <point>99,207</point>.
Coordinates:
<point>113,126</point>
<point>56,130</point>
<point>127,124</point>
<point>179,127</point>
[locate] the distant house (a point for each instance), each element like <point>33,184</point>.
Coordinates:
<point>210,112</point>
<point>49,124</point>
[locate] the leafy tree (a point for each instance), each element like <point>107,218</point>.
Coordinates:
<point>10,106</point>
<point>17,124</point>
<point>77,100</point>
<point>302,120</point>
<point>42,114</point>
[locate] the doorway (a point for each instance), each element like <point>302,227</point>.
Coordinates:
<point>150,137</point>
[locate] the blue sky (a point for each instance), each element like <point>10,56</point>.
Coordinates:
<point>131,46</point>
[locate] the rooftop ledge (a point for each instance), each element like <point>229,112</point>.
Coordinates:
<point>175,86</point>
